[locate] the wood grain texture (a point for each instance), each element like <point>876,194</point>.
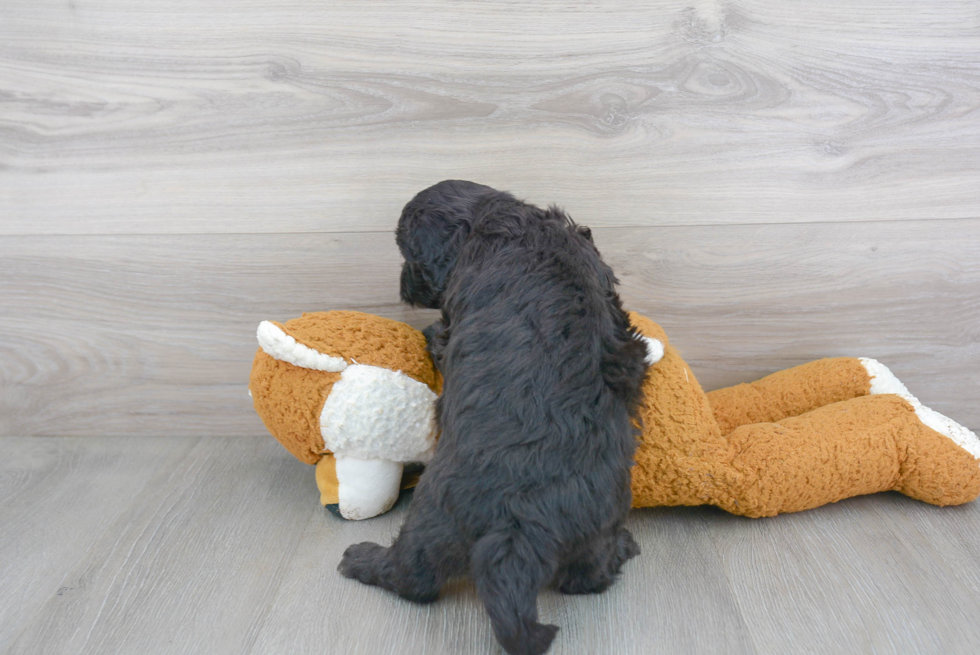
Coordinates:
<point>155,334</point>
<point>190,566</point>
<point>678,577</point>
<point>773,182</point>
<point>891,591</point>
<point>178,545</point>
<point>185,117</point>
<point>954,536</point>
<point>59,498</point>
<point>741,302</point>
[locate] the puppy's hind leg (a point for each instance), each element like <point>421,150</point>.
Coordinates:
<point>594,567</point>
<point>510,569</point>
<point>425,554</point>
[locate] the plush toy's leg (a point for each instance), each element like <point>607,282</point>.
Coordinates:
<point>791,392</point>
<point>329,485</point>
<point>367,487</point>
<point>860,446</point>
<point>595,566</point>
<point>327,482</point>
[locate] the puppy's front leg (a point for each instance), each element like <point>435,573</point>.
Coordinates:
<point>436,338</point>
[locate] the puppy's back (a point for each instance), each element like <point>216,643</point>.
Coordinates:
<point>542,371</point>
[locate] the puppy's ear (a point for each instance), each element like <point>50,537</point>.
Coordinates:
<point>431,231</point>
<point>416,290</point>
<point>430,240</point>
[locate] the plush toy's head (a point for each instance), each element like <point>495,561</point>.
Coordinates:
<point>354,386</point>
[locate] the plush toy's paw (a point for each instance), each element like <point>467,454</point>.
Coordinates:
<point>939,458</point>
<point>329,485</point>
<point>883,381</point>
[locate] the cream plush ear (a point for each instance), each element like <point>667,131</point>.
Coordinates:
<point>279,345</point>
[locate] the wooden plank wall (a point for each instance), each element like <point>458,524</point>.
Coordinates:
<point>773,181</point>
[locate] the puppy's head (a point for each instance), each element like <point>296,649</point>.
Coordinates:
<point>431,230</point>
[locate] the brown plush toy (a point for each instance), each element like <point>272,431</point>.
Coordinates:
<point>794,440</point>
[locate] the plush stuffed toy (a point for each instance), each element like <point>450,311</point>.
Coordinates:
<point>354,393</point>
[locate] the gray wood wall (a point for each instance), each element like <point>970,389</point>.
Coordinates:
<point>773,181</point>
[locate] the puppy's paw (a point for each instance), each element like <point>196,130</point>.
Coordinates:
<point>581,584</point>
<point>626,546</point>
<point>362,562</point>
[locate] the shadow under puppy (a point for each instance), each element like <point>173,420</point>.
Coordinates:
<point>530,482</point>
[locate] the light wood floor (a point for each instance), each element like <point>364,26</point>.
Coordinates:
<point>211,545</point>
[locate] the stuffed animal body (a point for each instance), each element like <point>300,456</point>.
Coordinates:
<point>355,394</point>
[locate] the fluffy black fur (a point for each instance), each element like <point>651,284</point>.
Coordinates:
<point>530,480</point>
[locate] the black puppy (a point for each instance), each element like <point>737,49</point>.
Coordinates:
<point>530,480</point>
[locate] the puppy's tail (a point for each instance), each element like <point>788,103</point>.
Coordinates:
<point>509,570</point>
